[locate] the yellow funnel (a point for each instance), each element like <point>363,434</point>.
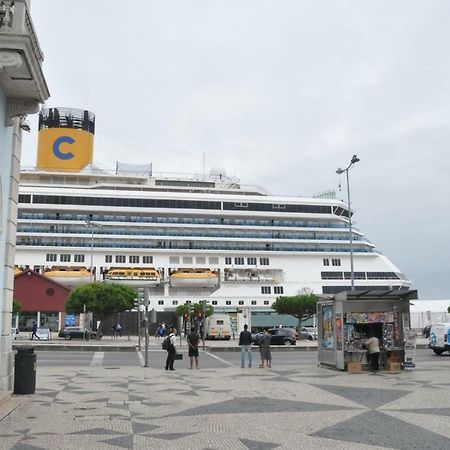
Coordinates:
<point>66,139</point>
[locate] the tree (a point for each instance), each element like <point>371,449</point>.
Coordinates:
<point>17,307</point>
<point>302,306</point>
<point>101,299</point>
<point>183,310</point>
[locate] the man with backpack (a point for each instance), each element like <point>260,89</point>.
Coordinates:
<point>169,344</point>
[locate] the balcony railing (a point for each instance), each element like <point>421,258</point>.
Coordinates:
<point>15,19</point>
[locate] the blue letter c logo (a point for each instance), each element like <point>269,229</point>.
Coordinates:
<point>62,140</point>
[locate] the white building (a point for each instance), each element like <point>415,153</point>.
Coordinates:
<point>22,88</point>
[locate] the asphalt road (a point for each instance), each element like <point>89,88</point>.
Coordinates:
<point>156,358</point>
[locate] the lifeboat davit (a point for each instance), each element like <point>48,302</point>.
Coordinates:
<point>71,276</point>
<point>133,276</point>
<point>194,278</point>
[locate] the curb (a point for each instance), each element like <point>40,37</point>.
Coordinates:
<point>78,348</point>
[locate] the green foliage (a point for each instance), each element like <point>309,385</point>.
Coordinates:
<point>302,306</point>
<point>448,309</point>
<point>100,298</point>
<point>17,307</point>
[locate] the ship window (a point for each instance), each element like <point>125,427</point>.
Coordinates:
<point>78,258</point>
<point>251,261</point>
<point>239,261</point>
<point>331,275</point>
<point>356,275</point>
<point>336,262</point>
<point>228,302</point>
<point>264,261</point>
<point>228,260</point>
<point>121,259</point>
<point>214,302</point>
<point>160,302</point>
<point>133,259</point>
<point>64,258</point>
<point>187,259</point>
<point>265,290</point>
<point>108,258</point>
<point>174,259</point>
<point>326,262</point>
<point>200,260</point>
<point>253,302</point>
<point>278,290</point>
<point>214,260</point>
<point>241,302</point>
<point>147,259</point>
<point>278,206</point>
<point>266,302</point>
<point>51,257</point>
<point>174,302</point>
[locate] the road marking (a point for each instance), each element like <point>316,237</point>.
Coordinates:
<point>141,359</point>
<point>220,359</point>
<point>97,359</point>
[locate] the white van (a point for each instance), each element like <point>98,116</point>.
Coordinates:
<point>440,338</point>
<point>218,326</point>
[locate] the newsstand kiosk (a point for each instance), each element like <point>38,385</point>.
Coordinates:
<point>346,319</point>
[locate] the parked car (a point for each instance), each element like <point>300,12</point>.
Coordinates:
<point>69,333</point>
<point>15,333</point>
<point>280,336</point>
<point>440,338</point>
<point>309,333</point>
<point>44,334</point>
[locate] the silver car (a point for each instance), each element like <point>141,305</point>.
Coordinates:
<point>44,334</point>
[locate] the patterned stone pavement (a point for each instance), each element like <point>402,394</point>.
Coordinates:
<point>232,408</point>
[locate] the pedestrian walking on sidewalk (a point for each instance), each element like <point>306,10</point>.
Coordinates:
<point>172,349</point>
<point>192,339</point>
<point>34,329</point>
<point>245,341</point>
<point>119,329</point>
<point>264,349</point>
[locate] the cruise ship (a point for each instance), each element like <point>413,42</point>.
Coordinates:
<point>184,238</point>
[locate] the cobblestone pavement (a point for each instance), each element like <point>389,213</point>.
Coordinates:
<point>232,408</point>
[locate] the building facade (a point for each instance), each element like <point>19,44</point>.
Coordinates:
<point>22,89</point>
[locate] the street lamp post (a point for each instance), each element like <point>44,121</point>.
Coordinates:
<point>91,226</point>
<point>340,171</point>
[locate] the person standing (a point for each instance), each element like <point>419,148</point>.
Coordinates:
<point>172,350</point>
<point>264,348</point>
<point>34,330</point>
<point>373,349</point>
<point>192,339</point>
<point>119,329</point>
<point>245,341</point>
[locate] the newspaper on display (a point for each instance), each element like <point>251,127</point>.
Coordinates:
<point>410,349</point>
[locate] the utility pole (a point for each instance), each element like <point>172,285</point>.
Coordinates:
<point>146,303</point>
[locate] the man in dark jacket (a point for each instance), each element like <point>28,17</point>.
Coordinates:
<point>245,341</point>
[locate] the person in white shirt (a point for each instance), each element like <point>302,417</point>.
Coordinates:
<point>172,350</point>
<point>373,349</point>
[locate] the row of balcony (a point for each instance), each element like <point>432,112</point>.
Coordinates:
<point>183,232</point>
<point>184,245</point>
<point>178,220</point>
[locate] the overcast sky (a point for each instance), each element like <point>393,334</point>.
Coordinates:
<point>279,93</point>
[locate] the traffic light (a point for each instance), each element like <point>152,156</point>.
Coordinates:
<point>200,314</point>
<point>191,309</point>
<point>186,316</point>
<point>137,302</point>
